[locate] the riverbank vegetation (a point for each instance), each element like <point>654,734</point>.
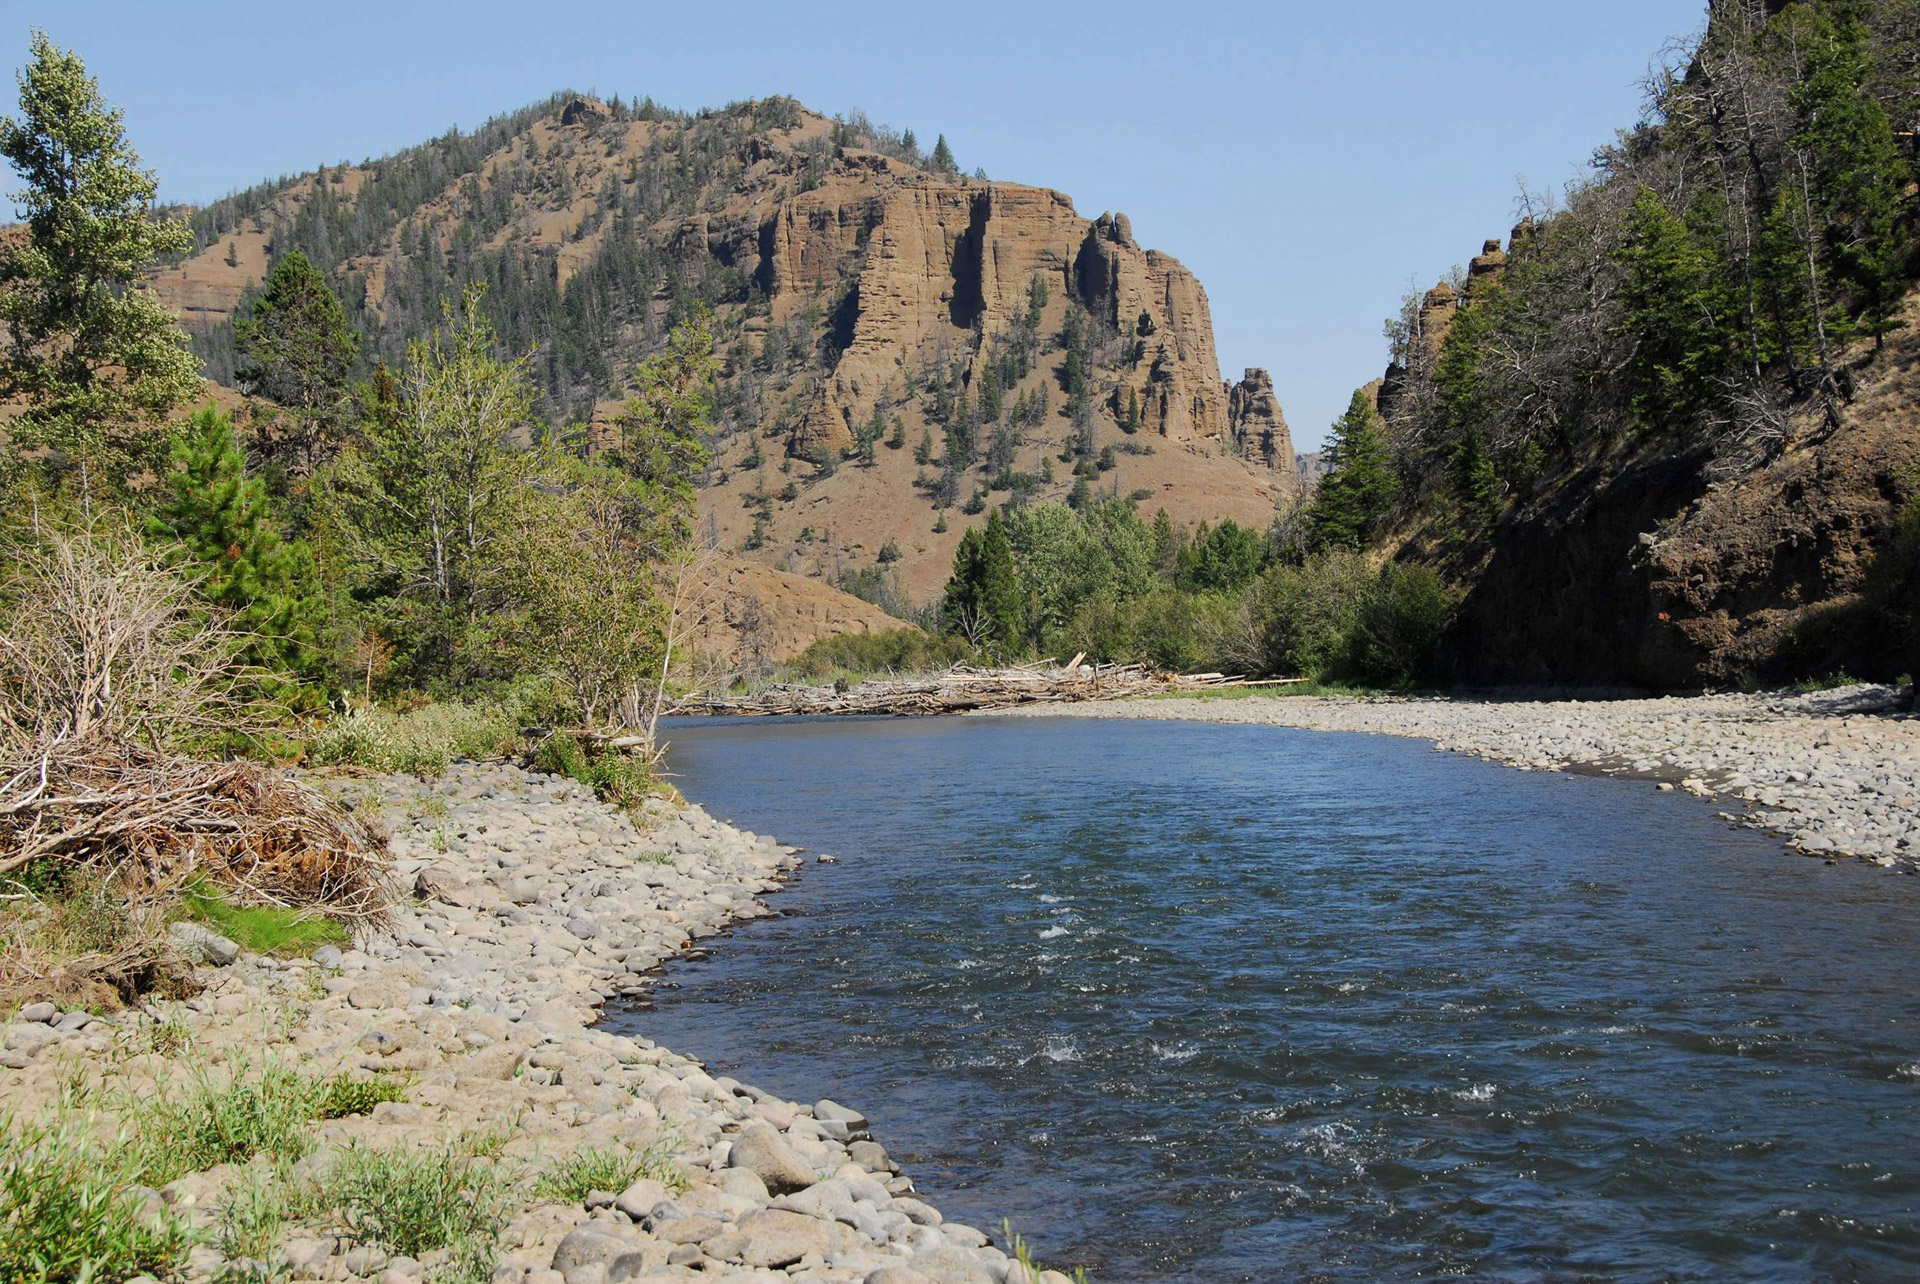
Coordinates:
<point>386,567</point>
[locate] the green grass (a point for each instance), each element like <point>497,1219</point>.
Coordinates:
<point>415,1202</point>
<point>612,1170</point>
<point>268,1113</point>
<point>261,929</point>
<point>68,1214</point>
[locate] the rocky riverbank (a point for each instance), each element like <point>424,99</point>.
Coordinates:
<point>529,905</point>
<point>1835,773</point>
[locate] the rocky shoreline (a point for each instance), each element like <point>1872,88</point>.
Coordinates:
<point>532,904</point>
<point>1834,773</point>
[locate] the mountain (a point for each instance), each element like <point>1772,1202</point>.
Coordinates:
<point>901,342</point>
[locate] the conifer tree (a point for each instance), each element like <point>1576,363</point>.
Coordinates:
<point>1356,496</point>
<point>97,360</point>
<point>297,351</point>
<point>222,522</point>
<point>942,159</point>
<point>1475,481</point>
<point>1679,308</point>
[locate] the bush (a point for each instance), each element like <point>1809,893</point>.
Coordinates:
<point>1304,615</point>
<point>422,741</point>
<point>69,1213</point>
<point>616,776</point>
<point>1334,617</point>
<point>416,1202</point>
<point>1401,618</point>
<point>895,651</point>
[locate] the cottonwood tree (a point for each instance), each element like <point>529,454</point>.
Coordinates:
<point>96,358</point>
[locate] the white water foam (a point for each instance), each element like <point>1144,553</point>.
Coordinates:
<point>1053,932</point>
<point>1478,1092</point>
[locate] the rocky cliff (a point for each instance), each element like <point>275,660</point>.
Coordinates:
<point>856,291</point>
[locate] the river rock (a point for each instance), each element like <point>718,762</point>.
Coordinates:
<point>774,1237</point>
<point>763,1152</point>
<point>202,944</point>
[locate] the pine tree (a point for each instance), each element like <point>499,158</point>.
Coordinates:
<point>1356,496</point>
<point>297,351</point>
<point>223,525</point>
<point>1475,482</point>
<point>1679,311</point>
<point>97,361</point>
<point>942,160</point>
<point>1855,172</point>
<point>982,598</point>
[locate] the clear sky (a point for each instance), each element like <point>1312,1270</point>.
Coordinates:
<point>1308,161</point>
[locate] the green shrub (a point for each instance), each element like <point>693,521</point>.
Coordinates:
<point>422,741</point>
<point>1304,615</point>
<point>68,1212</point>
<point>229,1123</point>
<point>615,776</point>
<point>1401,618</point>
<point>1335,618</point>
<point>896,651</point>
<point>340,1096</point>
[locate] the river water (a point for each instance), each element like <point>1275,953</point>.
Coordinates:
<point>1242,1003</point>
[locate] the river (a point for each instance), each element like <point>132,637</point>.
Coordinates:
<point>1247,1003</point>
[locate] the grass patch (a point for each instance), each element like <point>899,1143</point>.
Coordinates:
<point>81,942</point>
<point>268,1113</point>
<point>416,1202</point>
<point>68,1214</point>
<point>261,929</point>
<point>612,1170</point>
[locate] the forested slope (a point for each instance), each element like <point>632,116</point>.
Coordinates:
<point>1665,434</point>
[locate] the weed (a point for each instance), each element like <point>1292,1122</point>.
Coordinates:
<point>621,778</point>
<point>417,1202</point>
<point>68,1214</point>
<point>251,1219</point>
<point>485,1143</point>
<point>654,858</point>
<point>1022,1254</point>
<point>341,1096</point>
<point>581,1173</point>
<point>230,1123</point>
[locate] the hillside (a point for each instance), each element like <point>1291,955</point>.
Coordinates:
<point>901,343</point>
<point>1662,433</point>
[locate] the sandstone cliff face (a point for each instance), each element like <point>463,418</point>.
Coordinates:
<point>1256,424</point>
<point>844,280</point>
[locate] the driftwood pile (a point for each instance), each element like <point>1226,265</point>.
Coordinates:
<point>960,689</point>
<point>151,820</point>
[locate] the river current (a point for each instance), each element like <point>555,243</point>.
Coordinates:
<point>1193,1002</point>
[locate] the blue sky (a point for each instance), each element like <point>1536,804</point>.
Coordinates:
<point>1308,161</point>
